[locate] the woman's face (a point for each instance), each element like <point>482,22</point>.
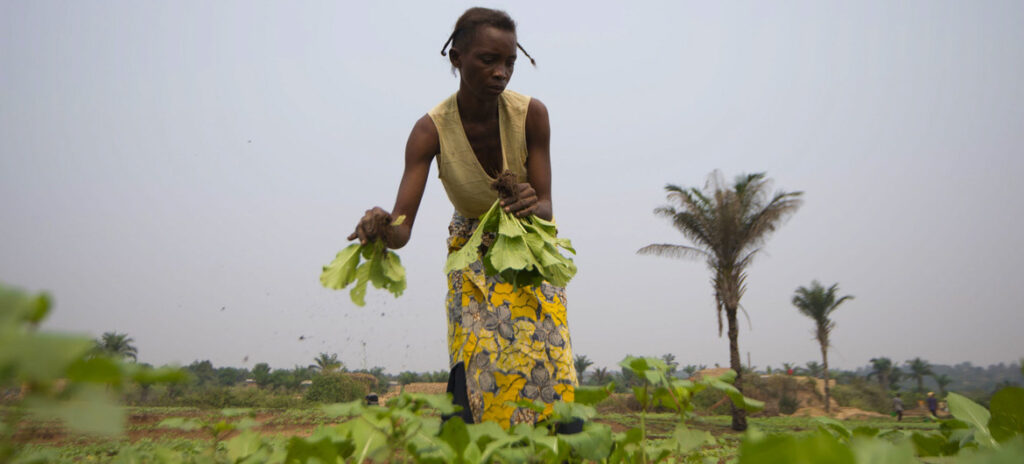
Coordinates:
<point>486,66</point>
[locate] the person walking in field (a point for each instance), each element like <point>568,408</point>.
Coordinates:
<point>933,404</point>
<point>897,407</point>
<point>505,344</point>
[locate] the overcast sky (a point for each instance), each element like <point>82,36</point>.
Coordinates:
<point>180,171</point>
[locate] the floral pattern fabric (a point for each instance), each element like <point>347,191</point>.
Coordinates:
<point>514,343</point>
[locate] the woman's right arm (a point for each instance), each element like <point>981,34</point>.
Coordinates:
<point>423,144</point>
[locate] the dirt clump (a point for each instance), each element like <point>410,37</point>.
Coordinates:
<point>506,186</point>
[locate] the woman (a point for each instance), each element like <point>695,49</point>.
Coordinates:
<point>505,345</point>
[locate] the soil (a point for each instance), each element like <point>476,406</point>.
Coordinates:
<point>506,187</point>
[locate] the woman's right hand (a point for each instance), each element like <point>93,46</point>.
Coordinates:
<point>376,223</point>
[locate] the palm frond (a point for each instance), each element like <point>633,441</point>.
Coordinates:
<point>672,251</point>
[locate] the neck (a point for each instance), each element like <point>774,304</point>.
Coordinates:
<point>474,108</point>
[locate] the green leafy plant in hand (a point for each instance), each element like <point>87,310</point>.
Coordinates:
<point>525,251</point>
<point>380,266</point>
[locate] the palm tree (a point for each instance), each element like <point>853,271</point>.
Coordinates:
<point>601,376</point>
<point>326,363</point>
<point>883,370</point>
<point>918,369</point>
<point>818,303</point>
<point>943,380</point>
<point>117,345</point>
<point>670,361</point>
<point>813,368</point>
<point>727,225</point>
<point>690,369</point>
<point>789,367</point>
<point>582,363</point>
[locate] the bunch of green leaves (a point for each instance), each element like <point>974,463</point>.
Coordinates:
<point>657,387</point>
<point>380,266</point>
<point>525,251</point>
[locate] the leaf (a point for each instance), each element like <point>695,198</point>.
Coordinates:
<point>454,433</point>
<point>568,412</point>
<point>149,376</point>
<point>463,257</point>
<point>928,444</point>
<point>833,426</point>
<point>509,253</point>
<point>90,409</point>
<point>96,370</point>
<point>180,423</point>
<point>687,440</point>
<point>244,445</point>
<point>594,443</point>
<point>1007,408</point>
<point>17,306</point>
<point>393,267</point>
<point>592,395</point>
<point>795,449</point>
<point>350,409</point>
<point>974,415</point>
<point>358,292</point>
<point>342,270</point>
<point>509,225</point>
<point>40,357</point>
<point>883,452</point>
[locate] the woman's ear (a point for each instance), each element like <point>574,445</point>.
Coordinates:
<point>455,57</point>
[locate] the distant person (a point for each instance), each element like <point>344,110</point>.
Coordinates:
<point>933,404</point>
<point>505,344</point>
<point>897,407</point>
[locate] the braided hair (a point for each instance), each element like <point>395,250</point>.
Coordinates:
<point>474,18</point>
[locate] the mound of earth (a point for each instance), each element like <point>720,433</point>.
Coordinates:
<point>438,388</point>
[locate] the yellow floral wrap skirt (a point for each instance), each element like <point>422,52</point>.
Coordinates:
<point>513,343</point>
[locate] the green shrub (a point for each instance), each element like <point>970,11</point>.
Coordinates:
<point>867,396</point>
<point>709,401</point>
<point>335,388</point>
<point>788,405</point>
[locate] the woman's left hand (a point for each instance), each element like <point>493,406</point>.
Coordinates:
<point>526,201</point>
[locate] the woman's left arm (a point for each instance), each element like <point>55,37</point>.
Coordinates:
<point>535,194</point>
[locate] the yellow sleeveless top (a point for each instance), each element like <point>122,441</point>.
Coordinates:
<point>467,184</point>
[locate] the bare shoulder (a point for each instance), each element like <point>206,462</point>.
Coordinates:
<point>537,125</point>
<point>423,141</point>
<point>537,111</point>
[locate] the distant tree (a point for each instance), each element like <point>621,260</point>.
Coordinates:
<point>327,363</point>
<point>228,376</point>
<point>813,369</point>
<point>790,368</point>
<point>582,363</point>
<point>670,360</point>
<point>283,379</point>
<point>727,226</point>
<point>203,372</point>
<point>884,371</point>
<point>818,303</point>
<point>601,376</point>
<point>407,377</point>
<point>261,374</point>
<point>943,381</point>
<point>117,345</point>
<point>690,369</point>
<point>917,369</point>
<point>301,373</point>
